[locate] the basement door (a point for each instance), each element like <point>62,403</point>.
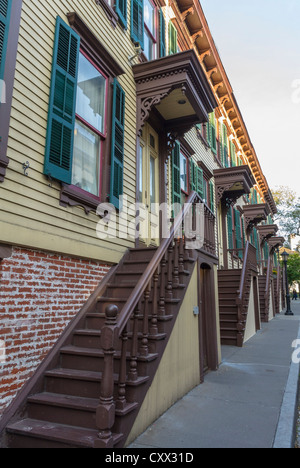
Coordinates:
<point>149,187</point>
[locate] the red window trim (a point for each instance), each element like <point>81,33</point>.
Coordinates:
<point>97,132</point>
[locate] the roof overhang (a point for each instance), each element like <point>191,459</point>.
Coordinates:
<point>232,183</point>
<point>177,87</point>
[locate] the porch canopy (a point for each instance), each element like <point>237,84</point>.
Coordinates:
<point>232,183</point>
<point>177,88</point>
<point>255,214</point>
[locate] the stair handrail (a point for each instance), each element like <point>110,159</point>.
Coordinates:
<point>144,281</point>
<point>116,328</point>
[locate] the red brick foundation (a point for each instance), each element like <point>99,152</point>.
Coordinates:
<point>39,294</point>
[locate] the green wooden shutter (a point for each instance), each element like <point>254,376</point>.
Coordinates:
<point>137,21</point>
<point>232,154</point>
<point>238,232</point>
<point>193,175</point>
<point>176,185</point>
<point>162,37</point>
<point>5,11</point>
<point>230,229</point>
<point>121,10</point>
<point>61,118</point>
<point>117,145</point>
<point>200,182</point>
<point>213,132</point>
<point>212,196</point>
<point>173,44</point>
<point>243,232</point>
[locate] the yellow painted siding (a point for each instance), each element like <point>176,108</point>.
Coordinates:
<point>30,212</point>
<point>179,370</point>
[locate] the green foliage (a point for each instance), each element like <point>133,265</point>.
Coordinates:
<point>288,205</point>
<point>293,268</point>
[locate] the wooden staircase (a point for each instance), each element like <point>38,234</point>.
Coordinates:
<point>234,295</point>
<point>88,391</point>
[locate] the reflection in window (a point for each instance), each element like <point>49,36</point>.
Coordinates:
<point>89,128</point>
<point>150,35</point>
<point>183,173</point>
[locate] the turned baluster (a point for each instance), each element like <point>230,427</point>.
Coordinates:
<point>133,374</point>
<point>169,292</point>
<point>105,413</point>
<point>154,326</point>
<point>144,350</point>
<point>121,401</point>
<point>162,294</point>
<point>181,255</point>
<point>176,281</point>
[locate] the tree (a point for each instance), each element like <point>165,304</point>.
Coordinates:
<point>288,217</point>
<point>293,268</point>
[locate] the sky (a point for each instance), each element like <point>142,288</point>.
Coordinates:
<point>259,45</point>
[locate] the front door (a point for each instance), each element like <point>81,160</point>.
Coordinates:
<point>149,187</point>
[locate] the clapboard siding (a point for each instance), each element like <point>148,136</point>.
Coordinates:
<point>29,202</point>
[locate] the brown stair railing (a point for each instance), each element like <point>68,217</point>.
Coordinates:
<point>249,266</point>
<point>156,285</point>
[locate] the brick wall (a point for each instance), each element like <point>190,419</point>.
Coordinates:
<point>39,294</point>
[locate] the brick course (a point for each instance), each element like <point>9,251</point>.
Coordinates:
<point>40,293</point>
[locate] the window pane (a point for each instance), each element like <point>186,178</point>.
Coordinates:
<point>149,46</point>
<point>91,94</point>
<point>183,173</point>
<point>141,172</point>
<point>152,180</point>
<point>86,159</point>
<point>149,12</point>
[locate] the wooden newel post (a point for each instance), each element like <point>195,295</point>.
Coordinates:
<point>105,415</point>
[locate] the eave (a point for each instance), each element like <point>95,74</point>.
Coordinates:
<point>190,17</point>
<point>175,86</point>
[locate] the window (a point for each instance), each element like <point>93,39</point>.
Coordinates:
<point>173,39</point>
<point>150,30</point>
<point>10,15</point>
<point>77,150</point>
<point>183,173</point>
<point>89,127</point>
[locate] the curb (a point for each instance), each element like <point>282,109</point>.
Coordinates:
<point>285,434</point>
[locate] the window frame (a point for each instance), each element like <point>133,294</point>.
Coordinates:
<point>155,40</point>
<point>102,135</point>
<point>105,63</point>
<point>8,78</point>
<point>187,160</point>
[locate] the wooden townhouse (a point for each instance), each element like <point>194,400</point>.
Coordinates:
<point>119,131</point>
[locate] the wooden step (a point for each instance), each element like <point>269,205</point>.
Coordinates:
<point>31,433</point>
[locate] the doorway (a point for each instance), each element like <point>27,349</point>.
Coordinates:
<point>207,319</point>
<point>149,187</point>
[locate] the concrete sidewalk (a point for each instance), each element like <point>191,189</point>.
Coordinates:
<point>247,403</point>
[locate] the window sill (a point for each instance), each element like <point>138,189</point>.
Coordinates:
<point>71,196</point>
